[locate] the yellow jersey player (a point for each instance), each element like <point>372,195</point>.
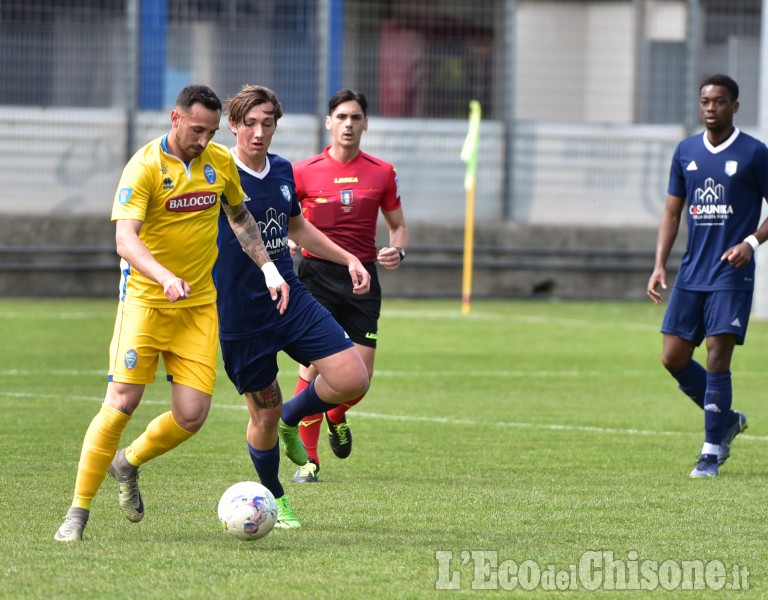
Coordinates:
<point>166,217</point>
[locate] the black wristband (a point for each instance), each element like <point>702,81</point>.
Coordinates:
<point>401,252</point>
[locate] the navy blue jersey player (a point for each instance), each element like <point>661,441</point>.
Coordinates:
<point>251,329</point>
<point>720,179</point>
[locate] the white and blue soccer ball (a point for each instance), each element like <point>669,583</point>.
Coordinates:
<point>247,511</point>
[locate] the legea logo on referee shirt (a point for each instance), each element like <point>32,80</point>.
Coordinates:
<point>191,202</point>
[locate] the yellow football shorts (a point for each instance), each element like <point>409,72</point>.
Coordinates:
<point>187,338</point>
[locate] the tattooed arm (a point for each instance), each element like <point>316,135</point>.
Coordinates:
<point>247,232</point>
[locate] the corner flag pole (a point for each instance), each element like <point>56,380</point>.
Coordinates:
<point>469,156</point>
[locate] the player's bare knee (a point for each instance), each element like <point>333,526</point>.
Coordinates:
<point>718,363</point>
<point>359,385</point>
<point>264,420</point>
<point>674,363</point>
<point>123,397</point>
<point>345,387</point>
<point>193,421</point>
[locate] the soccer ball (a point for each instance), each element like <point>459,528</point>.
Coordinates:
<point>247,511</point>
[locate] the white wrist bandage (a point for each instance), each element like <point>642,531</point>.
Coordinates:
<point>752,241</point>
<point>272,275</point>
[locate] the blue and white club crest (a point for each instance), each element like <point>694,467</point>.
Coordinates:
<point>210,174</point>
<point>131,359</point>
<point>347,197</point>
<point>730,167</point>
<point>125,195</point>
<point>286,192</point>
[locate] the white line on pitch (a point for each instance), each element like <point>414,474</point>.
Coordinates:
<point>55,316</point>
<point>546,373</point>
<point>418,419</point>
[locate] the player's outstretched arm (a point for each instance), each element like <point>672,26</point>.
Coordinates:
<point>247,232</point>
<point>306,235</point>
<point>132,249</point>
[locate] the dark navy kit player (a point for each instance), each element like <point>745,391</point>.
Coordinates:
<point>251,330</point>
<point>718,179</point>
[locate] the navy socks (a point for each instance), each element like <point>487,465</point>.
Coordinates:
<point>717,406</point>
<point>304,404</point>
<point>692,379</point>
<point>267,464</point>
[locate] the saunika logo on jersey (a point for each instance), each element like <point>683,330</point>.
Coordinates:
<point>210,174</point>
<point>191,202</point>
<point>274,232</point>
<point>285,190</point>
<point>709,202</point>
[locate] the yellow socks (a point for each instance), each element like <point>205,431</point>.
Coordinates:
<point>101,443</point>
<point>99,447</point>
<point>161,435</point>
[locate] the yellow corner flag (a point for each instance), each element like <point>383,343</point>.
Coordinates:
<point>469,156</point>
<point>471,143</point>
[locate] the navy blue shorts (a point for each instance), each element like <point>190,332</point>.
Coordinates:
<point>309,333</point>
<point>693,316</point>
<point>330,283</point>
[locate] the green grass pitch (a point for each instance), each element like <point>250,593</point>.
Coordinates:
<point>525,437</point>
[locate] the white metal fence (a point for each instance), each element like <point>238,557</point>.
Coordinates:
<point>583,99</point>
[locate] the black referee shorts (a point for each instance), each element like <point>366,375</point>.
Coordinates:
<point>331,285</point>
